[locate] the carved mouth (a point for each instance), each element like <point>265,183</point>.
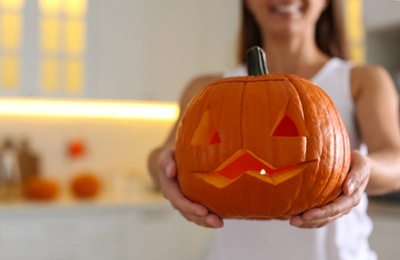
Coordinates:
<point>245,162</point>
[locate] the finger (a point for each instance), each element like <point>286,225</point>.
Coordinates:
<point>318,217</point>
<point>297,221</point>
<point>359,171</point>
<point>209,221</point>
<point>167,164</point>
<point>191,211</point>
<point>171,191</point>
<point>342,203</point>
<point>170,169</point>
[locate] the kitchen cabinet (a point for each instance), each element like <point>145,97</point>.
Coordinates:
<point>162,233</point>
<point>120,49</point>
<point>386,232</point>
<point>380,14</point>
<point>146,228</point>
<point>60,234</point>
<point>382,35</point>
<point>150,236</point>
<point>382,49</point>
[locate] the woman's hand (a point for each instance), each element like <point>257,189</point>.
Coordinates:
<point>353,189</point>
<point>170,189</point>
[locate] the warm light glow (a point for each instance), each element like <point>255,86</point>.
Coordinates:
<point>97,109</point>
<point>10,71</point>
<point>70,7</point>
<point>11,25</point>
<point>49,74</point>
<point>74,76</point>
<point>75,36</point>
<point>49,34</point>
<point>263,172</point>
<point>75,7</point>
<point>355,30</point>
<point>50,6</point>
<point>12,4</point>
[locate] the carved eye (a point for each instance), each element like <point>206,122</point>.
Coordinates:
<point>206,133</point>
<point>290,122</point>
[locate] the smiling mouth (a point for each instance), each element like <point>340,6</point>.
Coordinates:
<point>244,162</point>
<point>287,9</point>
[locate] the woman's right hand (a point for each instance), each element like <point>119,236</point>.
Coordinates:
<point>170,189</point>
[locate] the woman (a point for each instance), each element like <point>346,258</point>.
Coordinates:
<point>302,37</point>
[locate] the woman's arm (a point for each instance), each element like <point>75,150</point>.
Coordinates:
<point>162,167</point>
<point>153,163</point>
<point>377,111</point>
<point>377,107</point>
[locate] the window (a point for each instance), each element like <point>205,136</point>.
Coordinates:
<point>10,43</point>
<point>62,31</point>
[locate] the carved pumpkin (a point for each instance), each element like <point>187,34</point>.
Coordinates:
<point>261,147</point>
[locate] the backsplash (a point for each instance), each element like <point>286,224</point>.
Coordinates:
<point>113,146</point>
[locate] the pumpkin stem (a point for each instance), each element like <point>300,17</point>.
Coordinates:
<point>256,62</point>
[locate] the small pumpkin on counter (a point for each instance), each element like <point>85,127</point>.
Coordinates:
<point>40,188</point>
<point>85,185</point>
<point>264,146</point>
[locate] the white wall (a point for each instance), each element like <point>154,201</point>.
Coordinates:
<point>380,14</point>
<point>115,147</point>
<point>150,49</point>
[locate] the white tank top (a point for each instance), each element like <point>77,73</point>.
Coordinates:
<point>343,239</point>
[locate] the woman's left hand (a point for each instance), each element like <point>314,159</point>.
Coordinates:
<point>353,189</point>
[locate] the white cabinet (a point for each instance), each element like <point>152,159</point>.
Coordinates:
<point>150,231</point>
<point>149,50</point>
<point>61,234</point>
<point>385,236</point>
<point>380,14</point>
<point>163,234</point>
<point>155,234</point>
<point>382,35</point>
<point>119,49</point>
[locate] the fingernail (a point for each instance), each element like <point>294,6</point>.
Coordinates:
<point>210,222</point>
<point>351,187</point>
<point>168,170</point>
<point>297,222</point>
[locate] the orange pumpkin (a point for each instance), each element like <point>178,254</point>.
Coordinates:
<point>40,188</point>
<point>85,185</point>
<point>262,147</point>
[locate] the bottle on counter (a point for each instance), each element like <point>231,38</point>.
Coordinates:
<point>10,172</point>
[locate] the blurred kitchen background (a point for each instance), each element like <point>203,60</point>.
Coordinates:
<point>89,87</point>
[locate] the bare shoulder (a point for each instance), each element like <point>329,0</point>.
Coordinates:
<point>369,72</point>
<point>196,85</point>
<point>370,79</point>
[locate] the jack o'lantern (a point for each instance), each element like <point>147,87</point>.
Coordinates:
<point>262,147</point>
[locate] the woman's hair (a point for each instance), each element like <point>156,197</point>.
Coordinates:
<point>329,33</point>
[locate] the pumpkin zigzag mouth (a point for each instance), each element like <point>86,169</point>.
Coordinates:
<point>244,162</point>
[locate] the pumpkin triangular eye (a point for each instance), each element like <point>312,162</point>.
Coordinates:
<point>206,132</point>
<point>290,122</point>
<point>286,128</point>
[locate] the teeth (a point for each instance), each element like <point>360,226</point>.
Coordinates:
<point>288,9</point>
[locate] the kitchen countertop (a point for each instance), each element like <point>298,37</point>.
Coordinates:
<point>143,197</point>
<point>385,206</point>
